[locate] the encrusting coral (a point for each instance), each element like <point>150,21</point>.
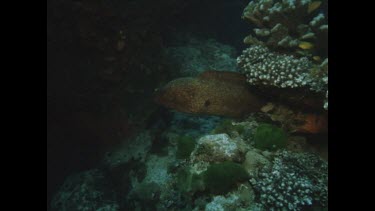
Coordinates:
<point>265,68</point>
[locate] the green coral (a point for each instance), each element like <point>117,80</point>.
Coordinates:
<point>185,145</point>
<point>221,177</point>
<point>270,137</point>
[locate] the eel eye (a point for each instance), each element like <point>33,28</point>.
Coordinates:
<point>207,103</point>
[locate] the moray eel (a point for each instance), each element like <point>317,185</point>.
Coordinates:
<point>212,93</point>
<point>227,94</point>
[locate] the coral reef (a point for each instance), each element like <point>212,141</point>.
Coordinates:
<point>295,25</point>
<point>270,137</point>
<point>214,176</point>
<point>263,67</point>
<point>195,56</point>
<point>296,121</point>
<point>293,181</point>
<point>268,69</point>
<point>289,46</point>
<point>178,161</point>
<point>84,192</point>
<point>135,148</point>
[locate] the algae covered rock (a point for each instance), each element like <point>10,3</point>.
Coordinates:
<point>221,177</point>
<point>217,178</point>
<point>270,137</point>
<point>185,145</point>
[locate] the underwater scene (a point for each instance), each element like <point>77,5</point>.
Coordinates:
<point>214,105</point>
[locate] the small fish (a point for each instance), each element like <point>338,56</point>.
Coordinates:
<point>305,45</point>
<point>313,6</point>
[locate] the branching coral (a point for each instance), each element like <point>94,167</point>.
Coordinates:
<point>296,27</point>
<point>288,24</point>
<point>293,181</point>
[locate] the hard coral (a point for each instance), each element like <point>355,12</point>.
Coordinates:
<point>267,69</point>
<point>296,27</point>
<point>293,181</point>
<point>285,24</point>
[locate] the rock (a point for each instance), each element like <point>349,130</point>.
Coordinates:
<point>297,121</point>
<point>297,144</point>
<point>85,191</point>
<point>254,161</point>
<point>220,203</point>
<point>193,56</point>
<point>218,148</point>
<point>240,199</point>
<point>134,148</point>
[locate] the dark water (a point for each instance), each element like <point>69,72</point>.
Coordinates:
<point>105,60</point>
